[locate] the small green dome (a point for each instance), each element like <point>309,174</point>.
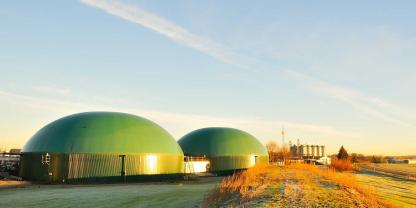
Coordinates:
<point>219,141</point>
<point>103,132</point>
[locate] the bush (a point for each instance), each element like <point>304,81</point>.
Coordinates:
<point>341,165</point>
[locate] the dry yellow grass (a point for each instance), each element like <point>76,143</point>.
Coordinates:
<point>297,185</point>
<point>247,184</point>
<point>346,180</point>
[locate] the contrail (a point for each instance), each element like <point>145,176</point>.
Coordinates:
<point>372,106</point>
<point>138,15</point>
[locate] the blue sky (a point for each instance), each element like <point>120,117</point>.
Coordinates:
<point>333,73</point>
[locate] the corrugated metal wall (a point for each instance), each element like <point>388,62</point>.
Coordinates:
<point>223,163</point>
<point>92,167</point>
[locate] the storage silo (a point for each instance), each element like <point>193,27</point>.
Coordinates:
<point>100,146</point>
<point>313,151</point>
<point>226,149</point>
<point>294,149</point>
<point>302,152</point>
<point>318,151</point>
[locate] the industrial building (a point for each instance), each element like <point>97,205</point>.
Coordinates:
<point>101,146</point>
<point>402,161</point>
<point>309,153</point>
<point>9,161</point>
<point>221,150</point>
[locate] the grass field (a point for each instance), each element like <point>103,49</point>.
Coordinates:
<point>401,192</point>
<point>403,170</point>
<point>187,194</point>
<point>263,186</point>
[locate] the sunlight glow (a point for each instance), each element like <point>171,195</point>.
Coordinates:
<point>151,163</point>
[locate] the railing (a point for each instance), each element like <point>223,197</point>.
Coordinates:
<point>9,154</point>
<point>195,158</point>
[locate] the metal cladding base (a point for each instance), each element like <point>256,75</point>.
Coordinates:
<point>228,172</point>
<point>229,164</point>
<point>117,179</point>
<point>77,168</point>
<point>127,179</point>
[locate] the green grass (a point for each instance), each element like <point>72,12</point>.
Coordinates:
<point>401,192</point>
<point>188,194</point>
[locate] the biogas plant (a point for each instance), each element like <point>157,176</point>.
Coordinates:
<point>111,146</point>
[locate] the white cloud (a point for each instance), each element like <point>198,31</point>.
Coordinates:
<point>179,123</point>
<point>138,15</point>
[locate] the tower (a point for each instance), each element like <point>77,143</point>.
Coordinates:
<point>283,137</point>
<point>284,150</point>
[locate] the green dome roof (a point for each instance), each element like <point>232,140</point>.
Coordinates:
<point>102,132</point>
<point>218,141</point>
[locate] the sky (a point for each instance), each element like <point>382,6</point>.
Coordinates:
<point>329,72</point>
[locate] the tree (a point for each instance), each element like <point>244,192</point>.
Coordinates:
<point>361,158</point>
<point>354,157</point>
<point>273,150</point>
<point>272,147</point>
<point>378,159</point>
<point>342,154</point>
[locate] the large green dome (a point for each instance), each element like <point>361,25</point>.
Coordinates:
<point>103,132</point>
<point>220,141</point>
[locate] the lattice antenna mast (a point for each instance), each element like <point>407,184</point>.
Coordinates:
<point>283,137</point>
